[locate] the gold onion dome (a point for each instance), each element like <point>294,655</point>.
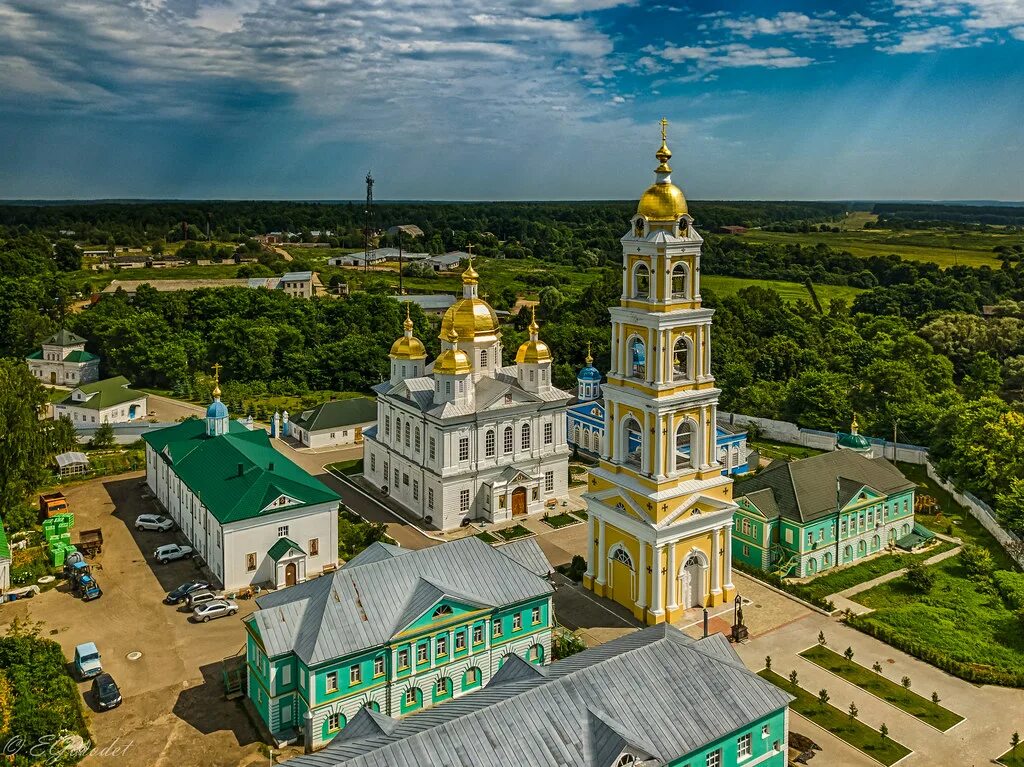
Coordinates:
<point>534,351</point>
<point>452,361</point>
<point>470,276</point>
<point>408,347</point>
<point>663,200</point>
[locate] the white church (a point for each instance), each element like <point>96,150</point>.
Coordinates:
<point>464,438</point>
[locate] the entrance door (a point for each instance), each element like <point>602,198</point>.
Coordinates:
<point>519,501</point>
<point>53,377</point>
<point>693,583</point>
<point>289,574</point>
<point>359,434</point>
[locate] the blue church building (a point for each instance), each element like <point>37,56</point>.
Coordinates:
<point>585,416</point>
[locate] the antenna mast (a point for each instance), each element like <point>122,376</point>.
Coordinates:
<point>368,222</point>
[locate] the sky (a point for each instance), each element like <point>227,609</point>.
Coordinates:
<point>523,99</point>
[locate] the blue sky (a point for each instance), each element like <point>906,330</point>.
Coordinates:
<point>527,99</point>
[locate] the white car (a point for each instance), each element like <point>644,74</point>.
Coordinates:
<point>153,522</point>
<point>172,551</point>
<point>218,608</point>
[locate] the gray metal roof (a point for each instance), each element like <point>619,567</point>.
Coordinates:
<point>529,554</point>
<point>655,691</point>
<point>297,276</point>
<point>71,459</point>
<point>363,604</point>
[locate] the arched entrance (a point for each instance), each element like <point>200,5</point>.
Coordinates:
<point>53,377</point>
<point>519,501</point>
<point>289,574</point>
<point>621,574</point>
<point>693,576</point>
<point>133,411</point>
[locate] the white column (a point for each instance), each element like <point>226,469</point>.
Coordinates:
<point>716,566</point>
<point>673,581</point>
<point>590,546</point>
<point>698,353</point>
<point>655,353</point>
<point>648,455</point>
<point>668,278</point>
<point>609,418</point>
<point>649,360</point>
<point>656,578</point>
<point>615,350</point>
<point>641,598</point>
<point>728,557</point>
<point>659,447</point>
<point>602,560</point>
<point>707,350</point>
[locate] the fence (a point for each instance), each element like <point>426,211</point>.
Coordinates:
<point>790,433</point>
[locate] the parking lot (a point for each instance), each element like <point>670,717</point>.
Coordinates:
<point>174,711</point>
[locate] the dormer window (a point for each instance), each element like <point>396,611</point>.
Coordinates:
<point>442,611</point>
<point>638,227</point>
<point>626,760</point>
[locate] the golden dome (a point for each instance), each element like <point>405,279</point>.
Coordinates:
<point>408,349</point>
<point>662,202</point>
<point>470,318</point>
<point>533,351</point>
<point>470,276</point>
<point>453,361</point>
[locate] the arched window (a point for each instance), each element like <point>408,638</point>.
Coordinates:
<point>827,560</point>
<point>862,548</point>
<point>398,429</point>
<point>621,555</point>
<point>407,433</point>
<point>876,543</point>
<point>596,443</point>
<point>634,441</point>
<point>507,440</point>
<point>483,358</point>
<point>576,434</point>
<point>641,281</point>
<point>684,445</point>
<point>412,699</point>
<point>626,760</point>
<point>442,611</point>
<point>535,654</point>
<point>638,227</point>
<point>847,554</point>
<point>812,566</point>
<point>524,437</point>
<point>417,439</point>
<point>680,281</point>
<point>471,678</point>
<point>372,705</point>
<point>637,358</point>
<point>443,688</point>
<point>681,360</point>
<point>489,444</point>
<point>586,440</point>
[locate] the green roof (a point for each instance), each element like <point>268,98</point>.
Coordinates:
<point>853,441</point>
<point>36,355</point>
<point>282,547</point>
<point>77,356</point>
<point>237,475</point>
<point>106,393</point>
<point>338,413</point>
<point>64,337</point>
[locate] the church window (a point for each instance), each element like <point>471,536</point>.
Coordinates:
<point>535,494</point>
<point>415,490</point>
<point>543,376</point>
<point>576,434</point>
<point>282,531</point>
<point>447,387</point>
<point>634,441</point>
<point>396,477</point>
<point>405,479</point>
<point>684,445</point>
<point>586,440</point>
<point>407,430</point>
<point>549,481</point>
<point>463,501</point>
<point>507,440</point>
<point>637,359</point>
<point>417,439</point>
<point>626,760</point>
<point>524,437</point>
<point>387,426</point>
<point>314,547</point>
<point>489,444</point>
<point>373,462</point>
<point>433,448</point>
<point>483,358</point>
<point>462,386</point>
<point>430,498</point>
<point>398,429</point>
<point>743,746</point>
<point>638,227</point>
<point>641,281</point>
<point>464,448</point>
<point>681,359</point>
<point>403,371</point>
<point>549,434</point>
<point>680,278</point>
<point>621,555</point>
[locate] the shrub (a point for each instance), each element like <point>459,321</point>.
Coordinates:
<point>576,568</point>
<point>1010,587</point>
<point>565,643</point>
<point>919,577</point>
<point>848,654</point>
<point>977,561</point>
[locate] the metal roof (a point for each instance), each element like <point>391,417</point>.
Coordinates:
<point>71,459</point>
<point>529,555</point>
<point>103,394</point>
<point>64,337</point>
<point>337,413</point>
<point>366,602</point>
<point>655,691</point>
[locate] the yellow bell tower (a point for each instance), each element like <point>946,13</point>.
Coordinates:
<point>660,508</point>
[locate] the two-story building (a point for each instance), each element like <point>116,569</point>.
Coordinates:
<point>652,698</point>
<point>395,631</point>
<point>802,517</point>
<point>301,284</point>
<point>63,361</point>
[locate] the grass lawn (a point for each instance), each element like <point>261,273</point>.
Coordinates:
<point>892,692</point>
<point>355,466</point>
<point>486,537</point>
<point>582,514</point>
<point>840,580</point>
<point>770,449</point>
<point>559,520</point>
<point>939,247</point>
<point>965,527</point>
<point>839,723</point>
<point>959,618</point>
<point>516,531</point>
<point>1014,758</point>
<point>790,291</point>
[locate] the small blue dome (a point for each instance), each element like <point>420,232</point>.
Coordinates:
<point>217,409</point>
<point>589,373</point>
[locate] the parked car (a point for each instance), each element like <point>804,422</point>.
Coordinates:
<point>87,660</point>
<point>153,522</point>
<point>107,694</point>
<point>179,594</point>
<point>197,598</point>
<point>218,608</point>
<point>172,551</point>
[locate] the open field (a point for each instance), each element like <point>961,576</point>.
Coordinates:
<point>790,291</point>
<point>942,248</point>
<point>924,709</point>
<point>840,724</point>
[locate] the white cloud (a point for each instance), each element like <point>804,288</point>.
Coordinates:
<point>842,32</point>
<point>1018,33</point>
<point>735,55</point>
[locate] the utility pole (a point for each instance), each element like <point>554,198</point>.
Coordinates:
<point>368,222</point>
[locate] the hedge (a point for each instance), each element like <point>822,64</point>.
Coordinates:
<point>1011,588</point>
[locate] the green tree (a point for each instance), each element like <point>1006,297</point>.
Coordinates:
<point>905,681</point>
<point>848,653</point>
<point>977,561</point>
<point>1010,506</point>
<point>1014,741</point>
<point>821,638</point>
<point>67,256</point>
<point>103,437</point>
<point>818,399</point>
<point>551,301</point>
<point>823,698</point>
<point>876,667</point>
<point>565,643</point>
<point>853,711</point>
<point>919,577</point>
<point>883,731</point>
<point>793,679</point>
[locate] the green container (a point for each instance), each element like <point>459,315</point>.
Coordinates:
<point>49,526</point>
<point>57,556</point>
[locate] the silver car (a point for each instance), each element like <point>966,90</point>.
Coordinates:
<point>218,608</point>
<point>172,551</point>
<point>153,522</point>
<point>201,597</point>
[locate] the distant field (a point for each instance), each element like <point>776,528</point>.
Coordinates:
<point>790,291</point>
<point>942,248</point>
<point>856,219</point>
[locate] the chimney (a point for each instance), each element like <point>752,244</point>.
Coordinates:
<point>241,470</point>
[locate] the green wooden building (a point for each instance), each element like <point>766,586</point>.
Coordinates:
<point>799,518</point>
<point>395,631</point>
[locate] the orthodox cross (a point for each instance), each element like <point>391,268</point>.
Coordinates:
<point>664,129</point>
<point>216,372</point>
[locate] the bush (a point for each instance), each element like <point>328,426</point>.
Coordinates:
<point>977,561</point>
<point>576,568</point>
<point>1010,587</point>
<point>919,577</point>
<point>565,643</point>
<point>355,533</point>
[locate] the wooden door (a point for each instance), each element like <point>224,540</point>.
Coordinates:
<point>519,501</point>
<point>359,434</point>
<point>53,378</point>
<point>289,574</point>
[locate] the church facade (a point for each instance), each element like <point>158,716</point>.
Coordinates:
<point>63,361</point>
<point>661,510</point>
<point>466,438</point>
